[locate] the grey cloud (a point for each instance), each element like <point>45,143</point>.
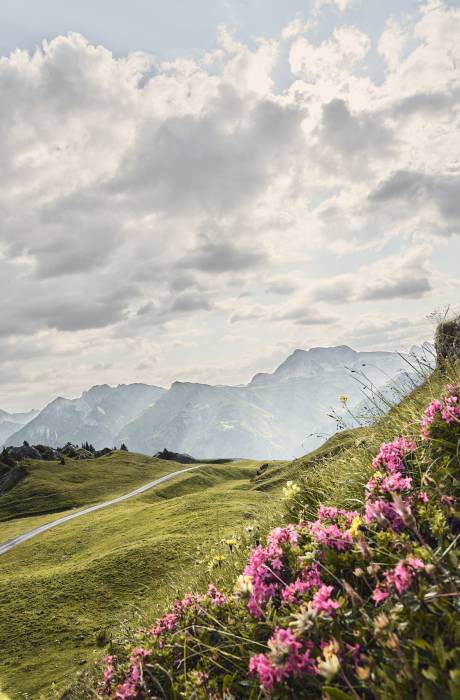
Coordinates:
<point>250,315</point>
<point>222,256</point>
<point>426,103</point>
<point>351,134</point>
<point>417,188</point>
<point>408,288</point>
<point>215,161</point>
<point>191,302</point>
<point>303,316</point>
<point>283,287</point>
<point>337,290</point>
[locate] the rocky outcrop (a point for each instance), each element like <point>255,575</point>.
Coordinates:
<point>447,342</point>
<point>176,457</point>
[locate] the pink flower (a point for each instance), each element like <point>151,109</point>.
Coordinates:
<point>293,591</point>
<point>331,536</point>
<point>265,568</point>
<point>322,601</point>
<point>379,595</point>
<point>286,657</point>
<point>448,410</point>
<point>331,528</point>
<point>391,454</point>
<point>216,597</point>
<point>423,496</point>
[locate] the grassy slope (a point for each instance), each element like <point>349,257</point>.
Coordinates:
<point>60,589</point>
<point>51,487</point>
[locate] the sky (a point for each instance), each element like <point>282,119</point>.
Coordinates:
<point>191,190</point>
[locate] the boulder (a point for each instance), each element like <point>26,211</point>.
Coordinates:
<point>447,342</point>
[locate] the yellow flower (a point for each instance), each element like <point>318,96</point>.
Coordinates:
<point>331,649</point>
<point>355,525</point>
<point>290,490</point>
<point>343,398</point>
<point>363,672</point>
<point>231,543</point>
<point>216,561</point>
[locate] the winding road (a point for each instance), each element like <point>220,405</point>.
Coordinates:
<point>11,544</point>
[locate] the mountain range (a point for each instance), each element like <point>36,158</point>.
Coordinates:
<point>275,416</point>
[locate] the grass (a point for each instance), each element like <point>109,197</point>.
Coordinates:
<point>66,589</point>
<point>51,487</point>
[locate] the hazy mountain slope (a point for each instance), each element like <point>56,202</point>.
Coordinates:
<point>206,421</point>
<point>272,417</point>
<point>10,423</point>
<point>96,416</point>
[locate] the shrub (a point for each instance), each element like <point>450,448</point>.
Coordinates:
<point>357,603</point>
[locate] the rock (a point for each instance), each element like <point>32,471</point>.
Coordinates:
<point>176,457</point>
<point>23,452</point>
<point>447,342</point>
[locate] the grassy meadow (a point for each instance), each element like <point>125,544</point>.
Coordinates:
<point>64,590</point>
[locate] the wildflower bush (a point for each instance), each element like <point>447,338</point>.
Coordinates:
<point>359,603</point>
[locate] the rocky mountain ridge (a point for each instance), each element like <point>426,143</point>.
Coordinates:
<point>276,415</point>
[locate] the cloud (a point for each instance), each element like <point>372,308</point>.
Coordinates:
<point>411,188</point>
<point>393,277</point>
<point>303,316</point>
<point>351,135</point>
<point>139,195</point>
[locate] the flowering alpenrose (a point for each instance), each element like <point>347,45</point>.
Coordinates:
<point>353,604</point>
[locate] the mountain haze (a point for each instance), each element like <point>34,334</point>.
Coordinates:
<point>10,423</point>
<point>277,415</point>
<point>97,416</point>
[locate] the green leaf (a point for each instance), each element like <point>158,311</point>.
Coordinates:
<point>440,652</point>
<point>336,693</point>
<point>430,673</point>
<point>421,644</point>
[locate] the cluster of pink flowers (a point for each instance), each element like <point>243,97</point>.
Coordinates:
<point>400,578</point>
<point>322,601</point>
<point>332,527</point>
<point>287,572</point>
<point>309,578</point>
<point>133,678</point>
<point>448,409</point>
<point>265,566</point>
<point>387,481</point>
<point>391,454</point>
<point>110,667</point>
<point>169,622</point>
<point>287,657</point>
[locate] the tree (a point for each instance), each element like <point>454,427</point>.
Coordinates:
<point>123,447</point>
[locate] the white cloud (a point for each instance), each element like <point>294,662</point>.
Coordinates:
<point>139,195</point>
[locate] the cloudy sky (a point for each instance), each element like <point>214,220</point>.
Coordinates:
<point>192,189</point>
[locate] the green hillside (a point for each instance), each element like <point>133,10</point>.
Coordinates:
<point>51,487</point>
<point>62,590</point>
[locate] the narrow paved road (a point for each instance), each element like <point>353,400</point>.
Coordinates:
<point>11,544</point>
